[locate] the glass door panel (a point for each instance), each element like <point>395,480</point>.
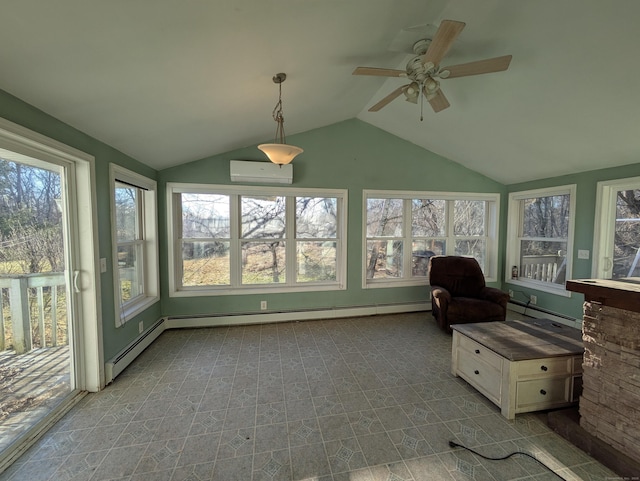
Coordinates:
<point>37,367</point>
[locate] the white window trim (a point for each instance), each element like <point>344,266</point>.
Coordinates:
<point>513,227</point>
<point>173,207</point>
<point>605,214</point>
<point>491,224</point>
<point>151,277</point>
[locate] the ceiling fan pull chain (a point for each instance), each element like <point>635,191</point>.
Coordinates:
<point>421,101</point>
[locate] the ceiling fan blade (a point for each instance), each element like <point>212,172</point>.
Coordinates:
<point>442,41</point>
<point>388,99</point>
<point>439,102</point>
<point>497,64</point>
<point>379,72</point>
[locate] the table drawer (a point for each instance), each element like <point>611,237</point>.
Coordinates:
<point>555,366</point>
<point>542,392</point>
<point>478,351</point>
<point>480,375</point>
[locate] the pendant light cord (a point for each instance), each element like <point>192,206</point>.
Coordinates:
<point>279,118</point>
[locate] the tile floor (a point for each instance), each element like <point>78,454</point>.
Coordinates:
<point>360,399</point>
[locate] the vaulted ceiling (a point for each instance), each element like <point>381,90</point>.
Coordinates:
<point>171,81</point>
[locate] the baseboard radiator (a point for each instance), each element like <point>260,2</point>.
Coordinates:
<point>295,315</point>
<point>532,310</point>
<point>120,361</point>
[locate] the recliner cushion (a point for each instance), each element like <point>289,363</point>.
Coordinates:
<point>465,309</point>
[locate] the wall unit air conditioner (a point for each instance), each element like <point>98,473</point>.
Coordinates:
<point>260,172</point>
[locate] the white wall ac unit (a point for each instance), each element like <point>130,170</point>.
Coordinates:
<point>260,172</point>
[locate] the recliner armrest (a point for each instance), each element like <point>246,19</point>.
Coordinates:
<point>494,294</point>
<point>440,293</point>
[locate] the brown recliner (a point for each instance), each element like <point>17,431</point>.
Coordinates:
<point>459,293</point>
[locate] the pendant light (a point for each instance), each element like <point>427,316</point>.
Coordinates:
<point>280,152</point>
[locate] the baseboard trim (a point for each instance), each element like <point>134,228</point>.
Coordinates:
<point>540,313</point>
<point>120,361</point>
<point>287,316</point>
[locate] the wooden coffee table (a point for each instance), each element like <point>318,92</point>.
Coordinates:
<point>521,366</point>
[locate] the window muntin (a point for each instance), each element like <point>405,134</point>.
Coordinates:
<point>274,241</point>
<point>135,247</point>
<point>540,236</point>
<point>433,224</point>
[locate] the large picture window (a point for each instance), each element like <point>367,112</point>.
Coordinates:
<point>403,230</point>
<point>239,240</point>
<point>540,234</point>
<point>135,242</point>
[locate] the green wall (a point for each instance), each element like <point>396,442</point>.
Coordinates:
<point>24,114</point>
<point>349,155</point>
<point>586,183</point>
<point>352,155</point>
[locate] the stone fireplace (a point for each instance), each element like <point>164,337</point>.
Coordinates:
<point>610,401</point>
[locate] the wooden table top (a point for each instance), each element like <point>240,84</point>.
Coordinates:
<point>521,340</point>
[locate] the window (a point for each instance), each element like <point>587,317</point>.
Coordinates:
<point>540,238</point>
<point>135,242</point>
<point>616,252</point>
<point>403,230</point>
<point>230,240</point>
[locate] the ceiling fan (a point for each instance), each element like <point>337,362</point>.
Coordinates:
<point>424,69</point>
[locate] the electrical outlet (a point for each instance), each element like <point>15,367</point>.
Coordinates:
<point>510,293</point>
<point>533,299</point>
<point>103,264</point>
<point>263,305</point>
<point>140,327</point>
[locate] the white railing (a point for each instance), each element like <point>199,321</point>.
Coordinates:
<point>543,268</point>
<point>29,311</point>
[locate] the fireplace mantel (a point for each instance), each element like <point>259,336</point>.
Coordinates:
<point>619,294</point>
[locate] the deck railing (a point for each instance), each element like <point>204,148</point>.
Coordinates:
<point>32,311</point>
<point>545,268</point>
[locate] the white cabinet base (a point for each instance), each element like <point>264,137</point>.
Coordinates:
<point>518,368</point>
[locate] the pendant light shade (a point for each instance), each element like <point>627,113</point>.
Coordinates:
<point>279,152</point>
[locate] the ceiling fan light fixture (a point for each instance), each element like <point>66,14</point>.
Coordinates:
<point>431,85</point>
<point>279,152</point>
<point>412,92</point>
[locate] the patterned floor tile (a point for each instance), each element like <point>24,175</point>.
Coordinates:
<point>358,399</point>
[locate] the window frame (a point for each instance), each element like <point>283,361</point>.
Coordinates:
<point>514,226</point>
<point>491,233</point>
<point>174,223</point>
<point>605,217</point>
<point>148,224</point>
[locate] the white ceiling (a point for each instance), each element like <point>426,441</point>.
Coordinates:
<point>171,81</point>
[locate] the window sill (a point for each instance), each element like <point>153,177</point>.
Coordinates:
<point>235,291</point>
<point>137,307</point>
<point>557,289</point>
<point>384,283</point>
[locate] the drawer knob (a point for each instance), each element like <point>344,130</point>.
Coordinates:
<point>477,351</point>
<point>543,392</point>
<point>544,368</point>
<point>476,372</point>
